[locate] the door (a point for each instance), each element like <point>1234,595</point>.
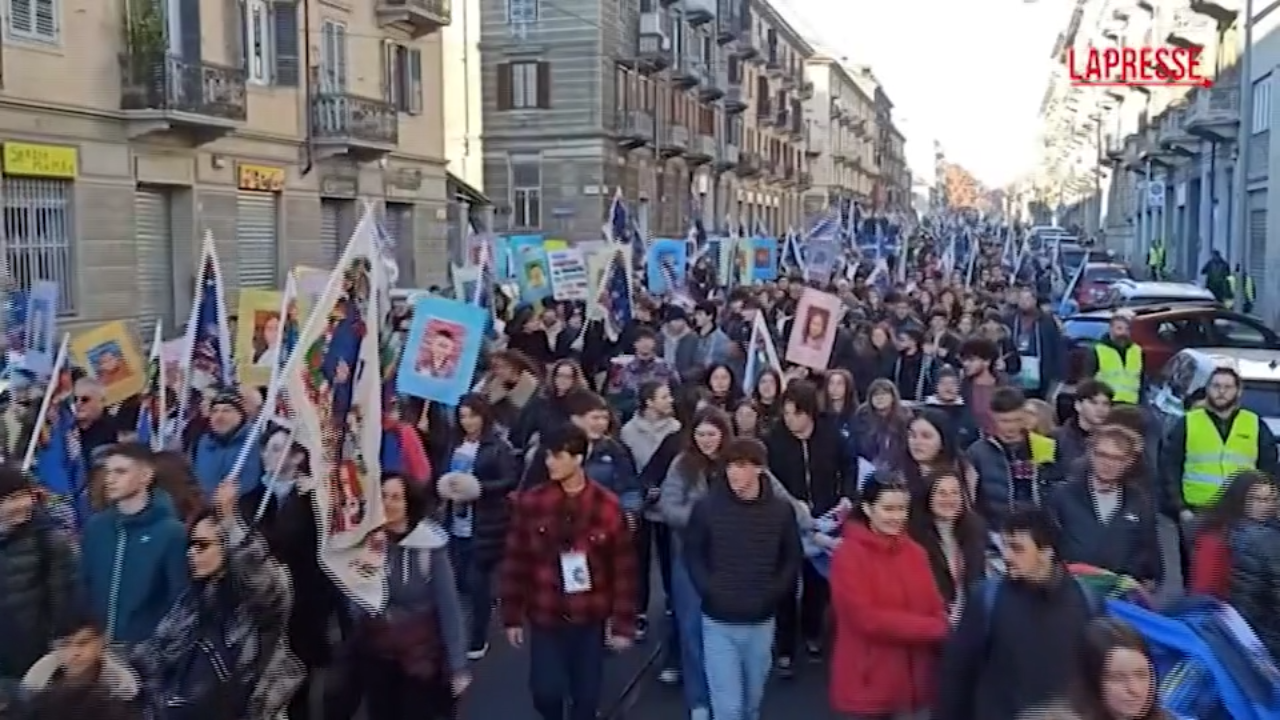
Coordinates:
<point>330,232</point>
<point>256,224</point>
<point>1257,236</point>
<point>153,232</point>
<point>399,225</point>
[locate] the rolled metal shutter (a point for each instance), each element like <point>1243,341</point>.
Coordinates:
<point>153,230</point>
<point>1257,237</point>
<point>256,240</point>
<point>330,240</point>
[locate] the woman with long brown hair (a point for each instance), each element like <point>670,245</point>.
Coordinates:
<point>546,409</point>
<point>1117,680</point>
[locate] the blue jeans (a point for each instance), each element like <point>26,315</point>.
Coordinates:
<point>566,668</point>
<point>738,657</point>
<point>475,583</point>
<point>688,631</point>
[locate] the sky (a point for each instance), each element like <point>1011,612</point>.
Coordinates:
<point>967,73</point>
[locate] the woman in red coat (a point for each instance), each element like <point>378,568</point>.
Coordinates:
<point>890,618</point>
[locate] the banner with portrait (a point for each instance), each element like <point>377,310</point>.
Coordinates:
<point>441,351</point>
<point>531,269</point>
<point>665,257</point>
<point>813,332</point>
<point>764,259</point>
<point>109,353</point>
<point>41,327</point>
<point>258,335</point>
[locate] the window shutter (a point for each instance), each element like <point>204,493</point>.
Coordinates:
<point>402,78</point>
<point>504,86</point>
<point>21,16</point>
<point>390,83</point>
<point>285,27</point>
<point>327,60</point>
<point>544,84</point>
<point>415,82</point>
<point>46,19</point>
<point>340,37</point>
<point>237,30</point>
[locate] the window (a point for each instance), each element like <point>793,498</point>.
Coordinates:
<point>38,229</point>
<point>333,57</point>
<point>34,19</point>
<point>402,77</point>
<point>267,47</point>
<point>1182,332</point>
<point>1238,333</point>
<point>1261,397</point>
<point>526,193</point>
<point>522,12</point>
<point>524,85</point>
<point>1262,105</point>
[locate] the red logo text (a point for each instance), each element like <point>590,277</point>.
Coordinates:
<point>1136,66</point>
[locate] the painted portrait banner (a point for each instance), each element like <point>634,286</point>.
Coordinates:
<point>109,353</point>
<point>42,327</point>
<point>813,333</point>
<point>442,349</point>
<point>258,335</point>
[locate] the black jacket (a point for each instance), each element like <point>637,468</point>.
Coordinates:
<point>1017,655</point>
<point>742,555</point>
<point>816,471</point>
<point>1254,589</point>
<point>498,472</point>
<point>1127,544</point>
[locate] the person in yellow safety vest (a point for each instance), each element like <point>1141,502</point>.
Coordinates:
<point>1156,259</point>
<point>1241,281</point>
<point>1204,449</point>
<point>1013,466</point>
<point>1117,360</point>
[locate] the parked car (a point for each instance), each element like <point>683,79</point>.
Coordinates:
<point>1162,330</point>
<point>1181,383</point>
<point>1095,284</point>
<point>1072,254</point>
<point>1127,292</point>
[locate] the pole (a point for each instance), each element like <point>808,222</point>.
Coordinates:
<point>1239,247</point>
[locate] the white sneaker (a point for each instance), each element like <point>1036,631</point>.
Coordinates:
<point>478,653</point>
<point>669,676</point>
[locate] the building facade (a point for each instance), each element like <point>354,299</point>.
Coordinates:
<point>127,135</point>
<point>840,119</point>
<point>692,107</point>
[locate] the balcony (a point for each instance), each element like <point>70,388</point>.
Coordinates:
<point>1222,12</point>
<point>655,41</point>
<point>837,110</point>
<point>805,180</point>
<point>735,99</point>
<point>702,151</point>
<point>727,158</point>
<point>197,99</point>
<point>728,21</point>
<point>634,128</point>
<point>811,150</point>
<point>748,164</point>
<point>688,72</point>
<point>764,114</point>
<point>787,82</point>
<point>773,63</point>
<point>1174,136</point>
<point>699,12</point>
<point>746,48</point>
<point>675,141</point>
<point>782,120</point>
<point>806,90</point>
<point>767,169</point>
<point>1132,150</point>
<point>417,17</point>
<point>711,88</point>
<point>1214,114</point>
<point>1190,30</point>
<point>1150,150</point>
<point>345,124</point>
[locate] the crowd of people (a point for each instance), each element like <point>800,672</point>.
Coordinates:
<point>910,510</point>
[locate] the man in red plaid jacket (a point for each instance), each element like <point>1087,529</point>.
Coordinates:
<point>569,574</point>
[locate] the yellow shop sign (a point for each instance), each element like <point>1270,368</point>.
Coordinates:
<point>262,178</point>
<point>47,161</point>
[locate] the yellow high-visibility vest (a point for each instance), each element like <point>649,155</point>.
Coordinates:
<point>1122,375</point>
<point>1210,461</point>
<point>1043,449</point>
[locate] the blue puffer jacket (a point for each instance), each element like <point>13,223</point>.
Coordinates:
<point>214,457</point>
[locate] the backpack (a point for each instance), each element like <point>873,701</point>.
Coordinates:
<point>1094,601</point>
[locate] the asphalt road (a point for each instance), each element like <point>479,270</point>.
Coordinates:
<point>802,696</point>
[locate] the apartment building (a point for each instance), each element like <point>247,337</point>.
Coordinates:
<point>469,207</point>
<point>128,130</point>
<point>895,175</point>
<point>691,107</point>
<point>885,188</point>
<point>840,119</point>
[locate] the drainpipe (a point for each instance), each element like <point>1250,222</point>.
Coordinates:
<point>304,79</point>
<point>1239,247</point>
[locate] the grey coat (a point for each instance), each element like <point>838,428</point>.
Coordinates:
<point>679,494</point>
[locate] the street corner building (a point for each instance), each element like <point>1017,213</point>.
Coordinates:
<point>707,110</point>
<point>131,128</point>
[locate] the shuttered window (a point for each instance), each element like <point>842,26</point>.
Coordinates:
<point>256,244</point>
<point>264,38</point>
<point>333,57</point>
<point>402,77</point>
<point>1257,235</point>
<point>34,19</point>
<point>153,233</point>
<point>524,85</point>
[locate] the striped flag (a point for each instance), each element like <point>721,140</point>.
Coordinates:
<point>208,340</point>
<point>615,295</point>
<point>152,413</point>
<point>761,354</point>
